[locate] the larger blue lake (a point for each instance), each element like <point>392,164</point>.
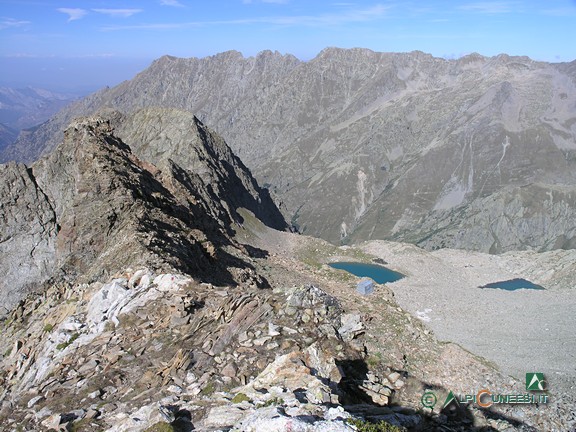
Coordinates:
<point>378,273</point>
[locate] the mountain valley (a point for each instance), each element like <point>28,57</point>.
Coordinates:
<point>25,108</point>
<point>150,282</point>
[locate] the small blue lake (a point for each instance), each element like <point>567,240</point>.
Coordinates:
<point>513,285</point>
<point>378,273</point>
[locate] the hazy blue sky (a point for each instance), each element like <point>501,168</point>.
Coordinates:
<point>92,43</point>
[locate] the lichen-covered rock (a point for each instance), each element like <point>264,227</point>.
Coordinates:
<point>351,326</point>
<point>274,420</point>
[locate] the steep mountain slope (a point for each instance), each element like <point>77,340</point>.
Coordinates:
<point>92,206</point>
<point>7,136</point>
<point>161,135</point>
<point>474,153</point>
<point>27,235</point>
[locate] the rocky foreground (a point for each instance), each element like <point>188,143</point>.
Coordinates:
<point>145,351</point>
<point>97,204</point>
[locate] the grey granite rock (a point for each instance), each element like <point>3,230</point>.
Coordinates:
<point>28,230</point>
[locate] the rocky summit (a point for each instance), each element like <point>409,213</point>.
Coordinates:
<point>476,153</point>
<point>92,206</point>
<point>150,284</point>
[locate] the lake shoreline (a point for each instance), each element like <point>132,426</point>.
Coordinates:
<point>521,331</point>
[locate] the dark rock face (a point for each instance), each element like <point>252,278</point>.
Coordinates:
<point>179,139</point>
<point>361,145</point>
<point>92,206</point>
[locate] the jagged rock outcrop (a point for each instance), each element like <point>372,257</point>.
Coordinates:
<point>92,206</point>
<point>167,136</point>
<point>361,145</point>
<point>172,341</point>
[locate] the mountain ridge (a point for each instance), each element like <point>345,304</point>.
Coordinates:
<point>93,205</point>
<point>142,291</point>
<point>395,145</point>
<point>21,108</point>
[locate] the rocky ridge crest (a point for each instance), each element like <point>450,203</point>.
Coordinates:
<point>155,312</point>
<point>92,206</point>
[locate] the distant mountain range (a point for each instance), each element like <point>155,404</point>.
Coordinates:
<point>148,281</point>
<point>7,135</point>
<point>476,153</point>
<point>24,108</point>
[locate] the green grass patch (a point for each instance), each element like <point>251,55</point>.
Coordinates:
<point>272,402</point>
<point>381,426</point>
<point>316,253</point>
<point>239,398</point>
<point>66,344</point>
<point>208,389</point>
<point>84,425</point>
<point>375,359</point>
<point>160,427</point>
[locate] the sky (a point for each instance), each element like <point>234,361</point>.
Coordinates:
<point>84,45</point>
